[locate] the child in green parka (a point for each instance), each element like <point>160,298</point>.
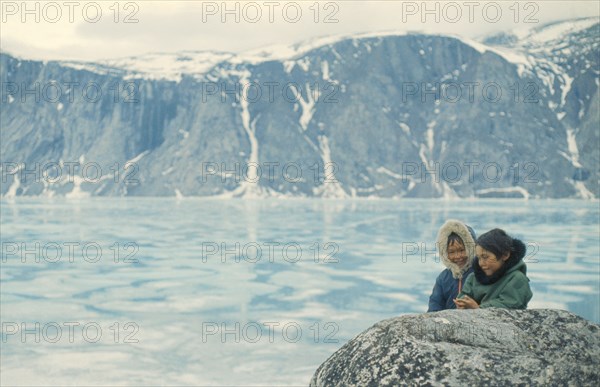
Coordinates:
<point>499,277</point>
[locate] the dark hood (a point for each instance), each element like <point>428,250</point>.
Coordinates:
<point>515,262</point>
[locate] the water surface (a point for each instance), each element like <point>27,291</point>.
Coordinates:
<point>205,312</point>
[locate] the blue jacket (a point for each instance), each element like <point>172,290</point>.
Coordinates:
<point>445,290</point>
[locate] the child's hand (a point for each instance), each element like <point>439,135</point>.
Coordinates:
<point>466,302</point>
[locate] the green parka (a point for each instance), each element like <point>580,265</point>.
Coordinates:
<point>511,291</point>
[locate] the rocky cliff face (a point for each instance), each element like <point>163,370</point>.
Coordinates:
<point>371,115</point>
<point>492,347</point>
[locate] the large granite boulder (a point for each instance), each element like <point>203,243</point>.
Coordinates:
<point>492,347</point>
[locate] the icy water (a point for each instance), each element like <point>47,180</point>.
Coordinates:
<point>157,292</point>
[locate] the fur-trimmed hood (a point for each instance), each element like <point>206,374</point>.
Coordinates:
<point>465,233</point>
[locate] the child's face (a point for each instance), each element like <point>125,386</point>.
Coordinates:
<point>457,253</point>
<point>488,261</point>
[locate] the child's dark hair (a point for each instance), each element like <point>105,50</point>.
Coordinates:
<point>453,237</point>
<point>499,242</point>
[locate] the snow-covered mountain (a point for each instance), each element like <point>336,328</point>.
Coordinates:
<point>373,115</point>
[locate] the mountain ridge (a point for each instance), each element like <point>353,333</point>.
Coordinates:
<point>357,120</point>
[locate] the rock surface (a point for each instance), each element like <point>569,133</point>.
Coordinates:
<point>492,347</point>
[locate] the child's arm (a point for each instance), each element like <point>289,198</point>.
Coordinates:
<point>436,299</point>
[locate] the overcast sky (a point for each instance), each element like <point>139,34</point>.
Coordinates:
<point>87,30</point>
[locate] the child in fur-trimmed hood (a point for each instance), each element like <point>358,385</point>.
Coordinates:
<point>456,246</point>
